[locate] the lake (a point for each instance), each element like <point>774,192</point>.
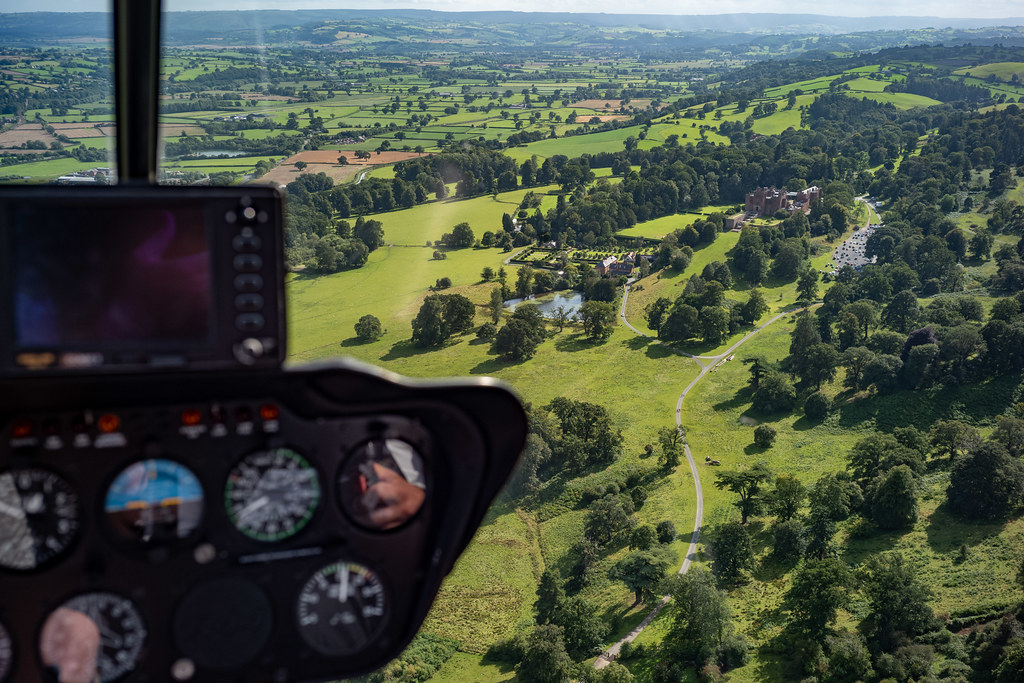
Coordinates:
<point>571,300</point>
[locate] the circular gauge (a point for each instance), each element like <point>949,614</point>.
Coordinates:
<point>122,633</point>
<point>38,517</point>
<point>382,484</point>
<point>6,653</point>
<point>153,501</point>
<point>271,495</point>
<point>341,608</point>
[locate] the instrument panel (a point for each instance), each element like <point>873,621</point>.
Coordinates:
<point>281,535</point>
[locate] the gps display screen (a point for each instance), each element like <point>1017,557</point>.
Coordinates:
<point>110,276</point>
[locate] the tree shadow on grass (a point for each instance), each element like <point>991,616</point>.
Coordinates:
<point>803,423</point>
<point>636,343</point>
<point>354,341</point>
<point>754,449</point>
<point>742,396</point>
<point>406,348</point>
<point>859,548</point>
<point>658,351</point>
<point>947,532</point>
<point>493,365</point>
<point>573,342</point>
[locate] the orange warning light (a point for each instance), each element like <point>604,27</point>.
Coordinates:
<point>269,411</point>
<point>109,423</point>
<point>21,429</point>
<point>191,417</point>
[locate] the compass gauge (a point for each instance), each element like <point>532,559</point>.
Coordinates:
<point>271,495</point>
<point>121,630</point>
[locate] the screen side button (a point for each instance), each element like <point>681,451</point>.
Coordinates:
<point>247,303</point>
<point>247,243</point>
<point>248,283</point>
<point>249,322</point>
<point>248,263</point>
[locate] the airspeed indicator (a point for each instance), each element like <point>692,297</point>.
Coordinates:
<point>341,608</point>
<point>271,495</point>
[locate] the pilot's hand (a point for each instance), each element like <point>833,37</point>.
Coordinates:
<point>392,500</point>
<point>70,643</point>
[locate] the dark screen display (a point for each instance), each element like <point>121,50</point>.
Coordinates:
<point>106,276</point>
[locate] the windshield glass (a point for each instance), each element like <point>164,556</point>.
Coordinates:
<point>758,278</point>
<point>56,97</point>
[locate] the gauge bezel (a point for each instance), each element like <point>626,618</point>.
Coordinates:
<point>373,637</point>
<point>306,524</point>
<point>12,661</point>
<point>341,496</point>
<point>76,534</point>
<point>99,591</point>
<point>133,544</point>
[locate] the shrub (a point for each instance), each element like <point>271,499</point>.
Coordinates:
<point>817,405</point>
<point>487,331</point>
<point>764,436</point>
<point>666,531</point>
<point>443,283</point>
<point>639,496</point>
<point>368,328</point>
<point>774,394</point>
<point>790,541</point>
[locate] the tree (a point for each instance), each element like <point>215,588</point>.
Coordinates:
<point>343,160</point>
<point>1009,431</point>
<point>550,597</point>
<point>642,571</point>
<point>894,498</point>
<point>788,542</point>
<point>953,437</point>
<point>524,282</point>
<point>441,316</point>
<point>764,436</point>
<point>855,359</point>
<point>817,405</point>
<point>898,600</point>
<point>487,274</point>
<point>755,307</point>
<point>655,312</point>
<point>835,496</point>
<point>986,483</point>
<point>701,618</point>
<point>582,627</point>
<point>714,324</point>
<point>671,440</point>
<point>902,313</point>
<point>758,368</point>
<point>819,365</point>
<point>666,531</point>
<point>544,657</point>
<point>775,394</point>
<point>442,283</point>
<point>462,236</point>
<point>746,483</point>
<point>605,518</point>
<point>561,317</point>
<point>300,165</point>
<point>879,453</point>
<point>643,537</point>
<point>368,328</point>
<point>732,551</point>
<point>598,319</point>
<point>495,304</point>
<point>819,590</point>
<point>681,323</point>
<point>370,232</point>
<point>520,337</point>
<point>787,497</point>
<point>807,285</point>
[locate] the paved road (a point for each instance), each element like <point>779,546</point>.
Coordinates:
<point>691,552</point>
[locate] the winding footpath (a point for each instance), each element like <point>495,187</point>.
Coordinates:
<point>707,364</point>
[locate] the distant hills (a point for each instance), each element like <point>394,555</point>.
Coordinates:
<point>185,27</point>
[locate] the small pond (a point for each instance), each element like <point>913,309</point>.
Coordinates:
<point>571,300</point>
<point>218,153</point>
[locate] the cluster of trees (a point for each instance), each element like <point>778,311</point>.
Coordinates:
<point>702,309</point>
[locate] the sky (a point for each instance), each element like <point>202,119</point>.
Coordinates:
<point>938,8</point>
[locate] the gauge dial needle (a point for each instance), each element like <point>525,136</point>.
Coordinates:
<point>253,506</point>
<point>11,510</point>
<point>343,585</point>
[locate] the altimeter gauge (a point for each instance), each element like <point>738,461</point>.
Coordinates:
<point>39,517</point>
<point>341,608</point>
<point>271,495</point>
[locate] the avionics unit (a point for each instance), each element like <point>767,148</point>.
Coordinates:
<point>140,279</point>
